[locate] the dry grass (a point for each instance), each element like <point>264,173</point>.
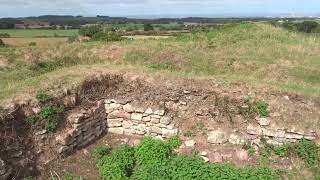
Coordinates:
<point>38,41</point>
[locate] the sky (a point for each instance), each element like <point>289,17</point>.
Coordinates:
<point>160,8</point>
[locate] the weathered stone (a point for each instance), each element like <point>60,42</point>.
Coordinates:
<point>155,120</point>
<point>117,130</point>
<point>236,139</point>
<point>204,153</point>
<point>111,107</point>
<point>148,111</point>
<point>154,129</point>
<point>190,143</point>
<point>127,124</point>
<point>217,158</point>
<point>64,139</point>
<point>273,142</point>
<point>169,132</point>
<point>141,127</point>
<point>118,114</point>
<point>217,137</point>
<point>140,132</point>
<point>205,159</point>
<point>242,155</point>
<point>159,112</point>
<point>114,122</point>
<point>136,116</point>
<point>263,121</point>
<point>41,132</point>
<point>128,108</point>
<point>139,110</point>
<point>70,101</point>
<point>2,167</point>
<point>62,149</point>
<point>165,120</point>
<point>155,116</point>
<point>146,119</point>
<point>293,136</point>
<point>273,133</point>
<point>254,130</point>
<point>129,131</point>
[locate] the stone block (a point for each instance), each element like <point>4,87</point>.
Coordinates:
<point>165,120</point>
<point>136,116</point>
<point>217,137</point>
<point>128,108</point>
<point>127,124</point>
<point>116,130</point>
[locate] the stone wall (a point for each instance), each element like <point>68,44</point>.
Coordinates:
<point>85,126</point>
<point>129,120</point>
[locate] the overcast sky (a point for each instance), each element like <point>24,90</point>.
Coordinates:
<point>165,8</point>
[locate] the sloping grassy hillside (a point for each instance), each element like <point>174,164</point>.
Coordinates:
<point>256,54</point>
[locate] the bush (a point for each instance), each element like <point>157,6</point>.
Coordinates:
<point>152,151</point>
<point>90,31</point>
<point>107,36</point>
<point>118,165</point>
<point>4,35</point>
<point>51,115</point>
<point>148,27</point>
<point>32,44</point>
<point>174,142</point>
<point>308,151</point>
<point>101,151</point>
<point>307,26</point>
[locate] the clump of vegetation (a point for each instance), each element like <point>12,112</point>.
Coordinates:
<point>118,165</point>
<point>107,36</point>
<point>249,148</point>
<point>43,97</point>
<point>90,31</point>
<point>305,26</point>
<point>4,35</point>
<point>307,150</point>
<point>32,44</point>
<point>101,151</point>
<point>155,159</point>
<point>162,66</point>
<point>254,107</point>
<point>2,43</point>
<point>148,27</point>
<point>49,115</point>
<point>188,134</point>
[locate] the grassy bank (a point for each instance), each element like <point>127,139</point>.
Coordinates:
<point>256,54</point>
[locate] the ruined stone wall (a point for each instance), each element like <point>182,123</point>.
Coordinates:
<point>86,125</point>
<point>129,120</point>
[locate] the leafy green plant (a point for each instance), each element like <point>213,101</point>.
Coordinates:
<point>308,151</point>
<point>101,151</point>
<point>188,134</point>
<point>249,148</point>
<point>262,108</point>
<point>33,120</point>
<point>174,142</point>
<point>118,165</point>
<point>43,97</point>
<point>153,151</point>
<point>52,116</point>
<point>69,176</point>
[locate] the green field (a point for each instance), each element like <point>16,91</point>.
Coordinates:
<point>39,32</point>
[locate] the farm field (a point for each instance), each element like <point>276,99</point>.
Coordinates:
<point>39,32</point>
<point>38,41</point>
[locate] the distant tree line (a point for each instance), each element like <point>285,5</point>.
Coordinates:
<point>78,21</point>
<point>305,26</point>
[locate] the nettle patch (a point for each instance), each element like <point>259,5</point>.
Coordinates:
<point>49,113</point>
<point>156,159</point>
